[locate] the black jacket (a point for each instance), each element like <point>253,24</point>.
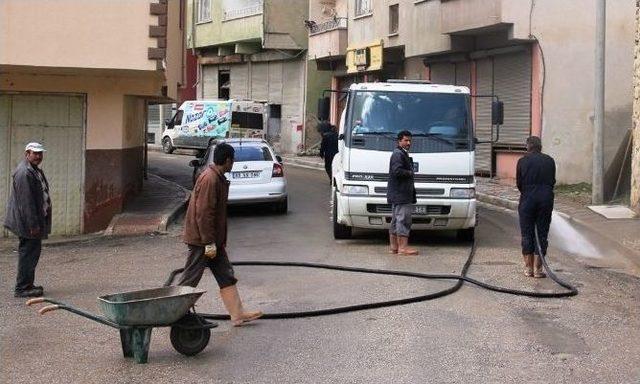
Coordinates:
<point>400,188</point>
<point>536,175</point>
<point>329,146</point>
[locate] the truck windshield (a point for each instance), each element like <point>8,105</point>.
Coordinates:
<point>439,122</point>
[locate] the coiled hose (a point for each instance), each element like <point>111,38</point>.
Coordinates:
<point>461,279</point>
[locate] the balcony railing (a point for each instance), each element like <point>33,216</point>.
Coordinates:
<point>336,23</point>
<point>239,13</point>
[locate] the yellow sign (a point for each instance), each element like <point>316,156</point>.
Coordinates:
<point>365,58</point>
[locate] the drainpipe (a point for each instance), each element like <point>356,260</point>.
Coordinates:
<point>597,192</point>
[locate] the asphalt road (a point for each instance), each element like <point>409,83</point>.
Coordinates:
<point>469,337</point>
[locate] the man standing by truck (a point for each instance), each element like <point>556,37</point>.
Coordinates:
<point>401,194</point>
<point>535,177</point>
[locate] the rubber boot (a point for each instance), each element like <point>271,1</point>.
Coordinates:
<point>403,247</point>
<point>528,265</point>
<point>393,243</point>
<point>538,270</point>
<point>233,304</point>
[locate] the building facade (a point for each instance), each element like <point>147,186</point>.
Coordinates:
<point>537,60</point>
<point>78,77</point>
<point>257,50</point>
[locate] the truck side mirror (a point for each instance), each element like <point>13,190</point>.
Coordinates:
<point>497,112</point>
<point>324,108</point>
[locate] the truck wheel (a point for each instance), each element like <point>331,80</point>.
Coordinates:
<point>467,234</point>
<point>166,146</point>
<point>340,231</point>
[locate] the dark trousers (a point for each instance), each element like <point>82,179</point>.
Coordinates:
<point>327,168</point>
<point>196,263</point>
<point>535,211</point>
<point>28,256</point>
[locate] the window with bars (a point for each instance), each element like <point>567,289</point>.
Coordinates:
<point>363,7</point>
<point>393,19</point>
<point>204,11</point>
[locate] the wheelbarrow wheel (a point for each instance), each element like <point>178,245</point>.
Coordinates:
<point>187,338</point>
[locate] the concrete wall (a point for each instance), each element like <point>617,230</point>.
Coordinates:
<point>174,72</point>
<point>76,33</point>
<point>287,17</point>
<point>635,156</point>
<point>219,32</point>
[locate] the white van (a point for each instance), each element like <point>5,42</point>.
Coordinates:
<point>442,151</point>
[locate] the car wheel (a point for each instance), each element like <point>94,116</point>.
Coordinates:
<point>340,231</point>
<point>283,206</point>
<point>166,146</point>
<point>467,234</point>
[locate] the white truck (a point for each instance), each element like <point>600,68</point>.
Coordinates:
<point>442,152</point>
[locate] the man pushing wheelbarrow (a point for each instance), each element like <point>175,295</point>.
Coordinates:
<point>205,233</point>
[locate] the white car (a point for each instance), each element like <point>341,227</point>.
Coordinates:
<point>257,175</point>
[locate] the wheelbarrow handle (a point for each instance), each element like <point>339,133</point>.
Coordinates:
<point>37,300</point>
<point>48,308</point>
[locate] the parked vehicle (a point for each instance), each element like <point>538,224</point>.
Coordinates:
<point>257,175</point>
<point>442,151</point>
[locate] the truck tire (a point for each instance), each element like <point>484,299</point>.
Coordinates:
<point>467,234</point>
<point>340,231</point>
<point>166,146</point>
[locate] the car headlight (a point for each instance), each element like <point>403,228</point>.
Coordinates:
<point>462,193</point>
<point>355,189</point>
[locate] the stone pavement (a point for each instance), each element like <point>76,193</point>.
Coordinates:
<point>622,234</point>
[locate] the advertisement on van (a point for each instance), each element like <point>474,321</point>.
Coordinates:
<point>211,119</point>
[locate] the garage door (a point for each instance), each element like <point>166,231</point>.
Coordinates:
<point>57,121</point>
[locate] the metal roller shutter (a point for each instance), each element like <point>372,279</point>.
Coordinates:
<point>260,81</point>
<point>443,73</point>
<point>463,74</point>
<point>292,91</point>
<point>153,116</point>
<point>275,82</point>
<point>239,81</point>
<point>484,86</point>
<point>209,81</point>
<point>512,84</point>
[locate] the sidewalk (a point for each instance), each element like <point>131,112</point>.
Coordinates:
<point>625,234</point>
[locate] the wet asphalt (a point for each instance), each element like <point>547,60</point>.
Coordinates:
<point>469,337</point>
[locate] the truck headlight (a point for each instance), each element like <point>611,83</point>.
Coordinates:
<point>355,189</point>
<point>463,193</point>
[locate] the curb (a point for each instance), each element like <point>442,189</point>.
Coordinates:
<point>301,163</point>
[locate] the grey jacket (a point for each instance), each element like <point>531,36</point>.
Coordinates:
<point>25,214</point>
<point>400,187</point>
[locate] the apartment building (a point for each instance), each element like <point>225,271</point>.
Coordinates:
<point>77,76</point>
<point>257,50</point>
<point>536,55</point>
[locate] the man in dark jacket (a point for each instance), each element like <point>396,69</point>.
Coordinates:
<point>29,217</point>
<point>205,233</point>
<point>535,177</point>
<point>328,146</point>
<point>401,194</point>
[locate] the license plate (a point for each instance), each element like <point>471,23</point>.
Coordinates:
<point>246,174</point>
<point>419,210</point>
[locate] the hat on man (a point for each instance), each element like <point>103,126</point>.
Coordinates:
<point>35,147</point>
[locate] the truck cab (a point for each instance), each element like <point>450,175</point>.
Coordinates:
<point>442,153</point>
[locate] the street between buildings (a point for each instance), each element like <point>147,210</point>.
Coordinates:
<point>471,336</point>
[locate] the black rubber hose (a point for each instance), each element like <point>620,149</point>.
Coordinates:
<point>572,291</point>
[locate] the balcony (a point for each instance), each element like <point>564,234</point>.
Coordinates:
<point>471,16</point>
<point>239,13</point>
<point>328,39</point>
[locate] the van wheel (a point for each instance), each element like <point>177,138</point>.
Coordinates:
<point>166,146</point>
<point>340,231</point>
<point>467,234</point>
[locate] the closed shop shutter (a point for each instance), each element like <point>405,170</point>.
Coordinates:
<point>259,81</point>
<point>463,74</point>
<point>57,121</point>
<point>153,116</point>
<point>512,84</point>
<point>443,73</point>
<point>239,75</point>
<point>484,85</point>
<point>292,91</point>
<point>210,82</point>
<point>275,82</point>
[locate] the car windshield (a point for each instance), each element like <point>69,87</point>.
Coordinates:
<point>440,121</point>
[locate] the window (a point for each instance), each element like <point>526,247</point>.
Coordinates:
<point>204,11</point>
<point>251,153</point>
<point>393,19</point>
<point>363,7</point>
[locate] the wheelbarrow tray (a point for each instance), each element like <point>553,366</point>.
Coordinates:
<point>152,307</point>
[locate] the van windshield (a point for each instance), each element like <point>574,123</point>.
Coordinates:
<point>439,122</point>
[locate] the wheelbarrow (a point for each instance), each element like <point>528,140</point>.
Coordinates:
<point>136,313</point>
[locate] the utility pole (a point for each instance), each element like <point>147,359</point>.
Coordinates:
<point>635,153</point>
<point>597,191</point>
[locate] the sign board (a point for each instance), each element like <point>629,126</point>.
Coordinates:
<point>209,118</point>
<point>365,58</point>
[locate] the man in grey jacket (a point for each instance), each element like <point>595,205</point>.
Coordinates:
<point>29,217</point>
<point>401,194</point>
